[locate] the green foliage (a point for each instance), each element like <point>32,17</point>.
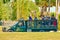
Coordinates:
<point>4,11</point>
<point>8,12</point>
<point>14,13</point>
<point>45,2</point>
<point>25,7</point>
<point>53,14</point>
<point>37,2</point>
<point>59,17</point>
<point>53,2</point>
<point>6,1</point>
<point>0,9</point>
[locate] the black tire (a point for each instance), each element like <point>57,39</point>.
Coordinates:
<point>9,30</point>
<point>42,31</point>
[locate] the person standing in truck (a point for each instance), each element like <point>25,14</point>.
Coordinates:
<point>29,22</point>
<point>30,18</point>
<point>53,20</point>
<point>35,22</point>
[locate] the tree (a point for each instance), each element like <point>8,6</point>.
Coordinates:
<point>16,9</point>
<point>0,10</point>
<point>45,3</point>
<point>6,1</point>
<point>24,8</point>
<point>4,11</point>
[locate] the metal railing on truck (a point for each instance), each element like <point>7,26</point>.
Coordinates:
<point>42,25</point>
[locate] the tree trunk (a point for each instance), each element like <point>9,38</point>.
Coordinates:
<point>41,11</point>
<point>18,10</point>
<point>45,11</point>
<point>49,9</point>
<point>56,9</point>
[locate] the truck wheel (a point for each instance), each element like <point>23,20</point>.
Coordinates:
<point>9,30</point>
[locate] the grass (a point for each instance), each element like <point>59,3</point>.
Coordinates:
<point>30,36</point>
<point>0,29</point>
